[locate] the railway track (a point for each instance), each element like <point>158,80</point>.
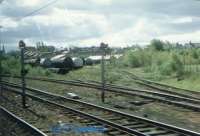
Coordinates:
<point>163,87</point>
<point>117,123</point>
<point>187,102</point>
<point>25,128</point>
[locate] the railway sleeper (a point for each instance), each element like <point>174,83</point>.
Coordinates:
<point>140,126</point>
<point>114,132</point>
<point>86,121</point>
<point>93,124</point>
<point>159,133</point>
<point>148,129</point>
<point>132,124</point>
<point>115,118</point>
<point>162,131</point>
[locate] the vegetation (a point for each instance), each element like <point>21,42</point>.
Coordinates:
<point>158,61</point>
<point>163,58</point>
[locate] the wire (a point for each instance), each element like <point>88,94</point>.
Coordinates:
<point>37,10</point>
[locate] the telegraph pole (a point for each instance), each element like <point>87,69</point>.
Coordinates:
<point>1,55</point>
<point>1,27</point>
<point>22,46</point>
<point>103,47</point>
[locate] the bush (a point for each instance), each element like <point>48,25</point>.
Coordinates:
<point>157,45</point>
<point>11,65</point>
<point>177,65</point>
<point>137,58</point>
<point>166,68</point>
<point>37,71</point>
<point>112,77</point>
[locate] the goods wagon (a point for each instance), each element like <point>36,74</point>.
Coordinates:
<point>77,62</point>
<point>62,61</point>
<point>32,62</point>
<point>45,62</point>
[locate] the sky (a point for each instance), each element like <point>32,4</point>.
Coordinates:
<point>119,23</point>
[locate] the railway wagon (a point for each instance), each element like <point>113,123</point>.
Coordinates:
<point>45,62</point>
<point>95,59</point>
<point>88,61</point>
<point>62,61</point>
<point>32,62</point>
<point>77,62</point>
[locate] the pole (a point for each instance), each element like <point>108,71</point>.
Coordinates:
<point>23,79</point>
<point>1,86</point>
<point>103,77</point>
<point>103,47</point>
<point>23,73</point>
<point>0,39</point>
<point>1,55</point>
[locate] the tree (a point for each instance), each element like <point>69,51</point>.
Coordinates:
<point>177,65</point>
<point>194,54</point>
<point>157,45</point>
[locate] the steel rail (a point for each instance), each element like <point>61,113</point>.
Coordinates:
<point>157,124</point>
<point>113,86</point>
<point>21,122</point>
<point>107,123</point>
<point>98,84</point>
<point>188,103</point>
<point>171,99</point>
<point>149,83</point>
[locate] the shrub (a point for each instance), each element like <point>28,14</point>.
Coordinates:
<point>166,68</point>
<point>37,71</point>
<point>130,59</point>
<point>11,65</point>
<point>137,58</point>
<point>157,45</point>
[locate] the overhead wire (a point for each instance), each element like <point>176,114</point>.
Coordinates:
<point>39,9</point>
<point>36,11</point>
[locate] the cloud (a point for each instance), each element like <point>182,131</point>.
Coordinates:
<point>182,20</point>
<point>90,22</point>
<point>140,32</point>
<point>182,38</point>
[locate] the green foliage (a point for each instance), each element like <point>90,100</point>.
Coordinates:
<point>133,60</point>
<point>113,61</point>
<point>137,58</point>
<point>163,63</point>
<point>37,71</point>
<point>86,73</point>
<point>172,65</point>
<point>15,54</point>
<point>166,68</point>
<point>194,54</point>
<point>157,45</point>
<point>11,65</point>
<point>112,77</point>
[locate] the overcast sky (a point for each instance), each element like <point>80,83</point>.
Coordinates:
<point>89,22</point>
